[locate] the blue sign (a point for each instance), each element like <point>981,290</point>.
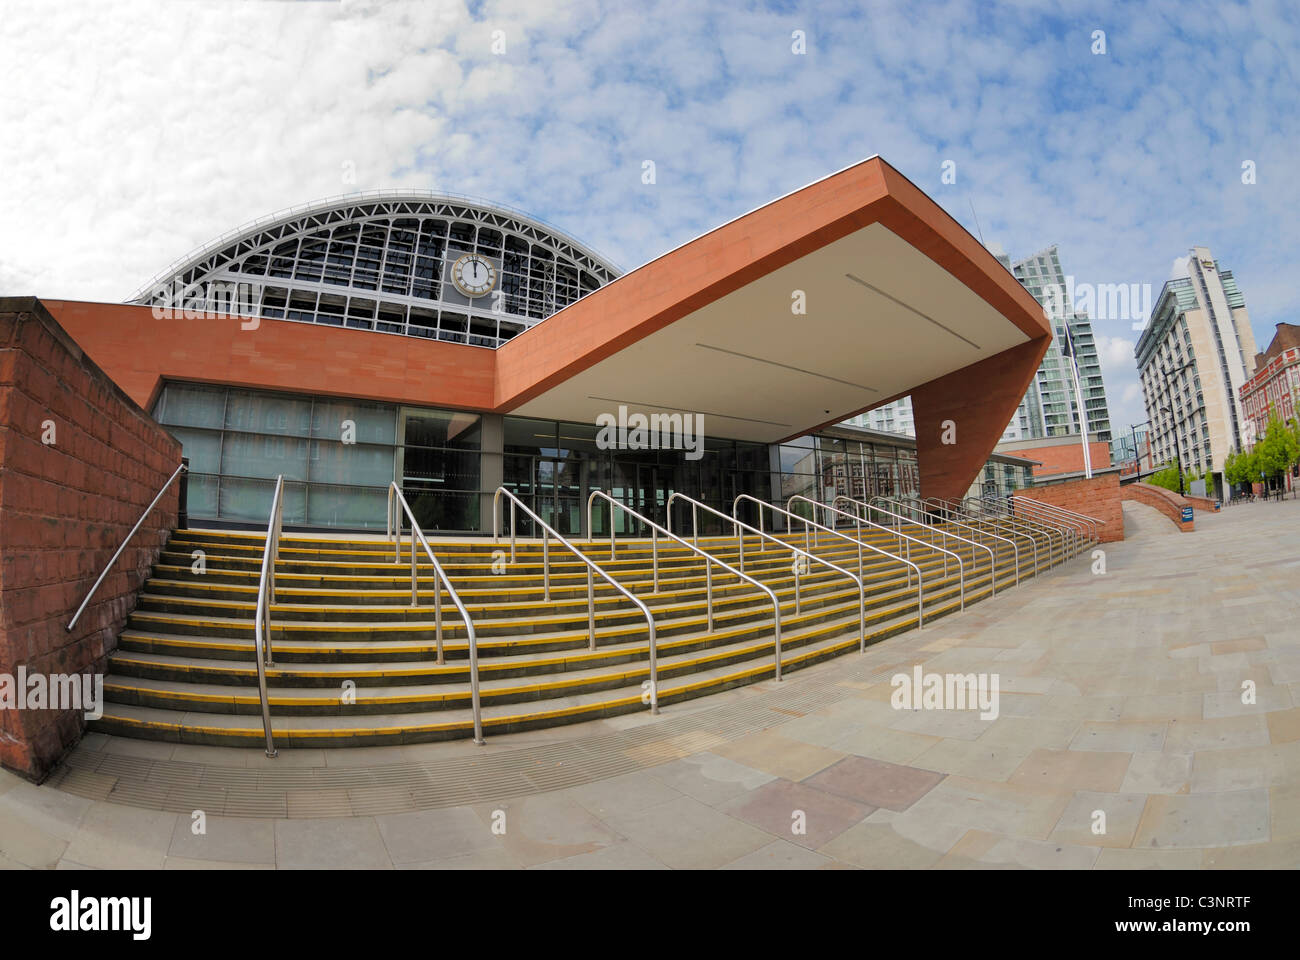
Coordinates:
<point>1187,514</point>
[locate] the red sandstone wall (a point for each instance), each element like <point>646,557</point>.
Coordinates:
<point>64,508</point>
<point>140,352</point>
<point>1166,501</point>
<point>1098,498</point>
<point>979,400</point>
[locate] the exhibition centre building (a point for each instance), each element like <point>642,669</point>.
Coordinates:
<point>456,347</point>
<point>199,489</point>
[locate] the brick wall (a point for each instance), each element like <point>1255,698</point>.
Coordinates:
<point>1166,501</point>
<point>65,506</point>
<point>1098,498</point>
<point>1064,457</point>
<point>1205,504</point>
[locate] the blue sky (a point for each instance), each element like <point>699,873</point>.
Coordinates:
<point>135,131</point>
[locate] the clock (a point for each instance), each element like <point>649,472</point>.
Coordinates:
<point>473,275</point>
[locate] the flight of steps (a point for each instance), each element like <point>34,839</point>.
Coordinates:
<point>184,668</point>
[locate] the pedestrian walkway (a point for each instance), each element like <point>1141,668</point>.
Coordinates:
<point>1149,716</point>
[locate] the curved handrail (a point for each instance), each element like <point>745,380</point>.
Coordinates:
<point>907,559</point>
<point>993,564</point>
<point>738,525</point>
<point>439,574</point>
<point>898,534</point>
<point>708,557</point>
<point>895,533</point>
<point>1071,533</point>
<point>998,523</point>
<point>1090,524</point>
<point>266,597</point>
<point>1084,528</point>
<point>592,567</point>
<point>999,513</point>
<point>109,566</point>
<point>921,505</point>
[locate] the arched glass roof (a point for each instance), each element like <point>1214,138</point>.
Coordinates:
<point>384,262</point>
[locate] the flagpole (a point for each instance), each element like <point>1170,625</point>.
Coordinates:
<point>1078,398</point>
<point>1070,352</point>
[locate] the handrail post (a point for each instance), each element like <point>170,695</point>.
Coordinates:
<point>415,590</point>
<point>437,612</point>
<point>654,671</point>
<point>546,567</point>
<point>262,613</point>
<point>708,560</point>
<point>591,608</point>
<point>440,579</point>
<point>654,547</point>
<point>708,593</point>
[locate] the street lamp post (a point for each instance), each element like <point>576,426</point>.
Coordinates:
<point>1137,456</point>
<point>1167,376</point>
<point>1178,458</point>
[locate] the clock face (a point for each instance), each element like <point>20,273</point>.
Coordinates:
<point>473,275</point>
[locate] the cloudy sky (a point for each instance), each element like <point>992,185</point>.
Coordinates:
<point>132,132</point>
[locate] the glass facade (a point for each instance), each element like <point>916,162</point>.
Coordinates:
<point>823,468</point>
<point>553,467</point>
<point>339,456</point>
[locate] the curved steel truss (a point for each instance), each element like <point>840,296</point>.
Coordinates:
<point>382,262</point>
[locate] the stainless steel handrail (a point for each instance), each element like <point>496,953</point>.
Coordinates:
<point>109,566</point>
<point>898,534</point>
<point>592,567</point>
<point>998,523</point>
<point>993,573</point>
<point>737,525</point>
<point>1070,532</point>
<point>932,511</point>
<point>952,508</point>
<point>1082,530</point>
<point>897,531</point>
<point>708,558</point>
<point>397,500</point>
<point>906,554</point>
<point>872,504</point>
<point>862,583</point>
<point>999,513</point>
<point>266,597</point>
<point>1090,523</point>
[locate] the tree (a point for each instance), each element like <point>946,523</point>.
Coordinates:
<point>1166,477</point>
<point>1242,467</point>
<point>1278,450</point>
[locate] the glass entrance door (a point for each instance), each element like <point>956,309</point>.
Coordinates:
<point>438,463</point>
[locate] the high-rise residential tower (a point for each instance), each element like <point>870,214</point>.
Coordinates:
<point>1194,355</point>
<point>1050,407</point>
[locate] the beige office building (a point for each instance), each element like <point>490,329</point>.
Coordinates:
<point>1193,356</point>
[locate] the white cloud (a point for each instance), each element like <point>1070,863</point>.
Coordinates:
<point>133,131</point>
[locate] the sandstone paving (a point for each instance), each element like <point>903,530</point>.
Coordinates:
<point>1164,694</point>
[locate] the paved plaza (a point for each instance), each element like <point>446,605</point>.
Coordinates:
<point>1149,716</point>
